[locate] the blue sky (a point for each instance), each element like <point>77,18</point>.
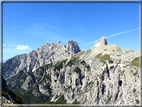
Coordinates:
<point>27,26</point>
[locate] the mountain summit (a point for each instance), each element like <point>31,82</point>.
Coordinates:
<point>48,53</point>
<point>73,47</point>
<point>100,43</point>
<point>103,41</point>
<point>105,74</point>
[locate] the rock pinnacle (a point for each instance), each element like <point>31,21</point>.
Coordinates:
<point>103,41</point>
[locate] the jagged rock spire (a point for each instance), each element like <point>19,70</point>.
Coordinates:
<point>59,42</point>
<point>72,47</point>
<point>100,43</point>
<point>103,41</point>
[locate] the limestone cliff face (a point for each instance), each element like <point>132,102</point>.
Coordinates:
<point>4,85</point>
<point>104,75</point>
<point>104,41</point>
<point>7,96</point>
<point>48,53</point>
<point>73,47</point>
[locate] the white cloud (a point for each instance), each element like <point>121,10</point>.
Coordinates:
<point>22,47</point>
<point>11,45</point>
<point>18,47</point>
<point>7,49</point>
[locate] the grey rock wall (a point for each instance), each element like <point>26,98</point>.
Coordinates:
<point>44,55</point>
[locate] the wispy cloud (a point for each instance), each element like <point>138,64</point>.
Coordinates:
<point>4,45</point>
<point>18,47</point>
<point>92,42</point>
<point>122,32</point>
<point>22,47</point>
<point>7,49</point>
<point>11,45</point>
<point>43,31</point>
<point>113,35</point>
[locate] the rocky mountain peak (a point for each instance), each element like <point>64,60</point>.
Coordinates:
<point>106,74</point>
<point>103,41</point>
<point>72,47</point>
<point>52,43</point>
<point>59,42</point>
<point>45,54</point>
<point>47,44</point>
<point>100,43</point>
